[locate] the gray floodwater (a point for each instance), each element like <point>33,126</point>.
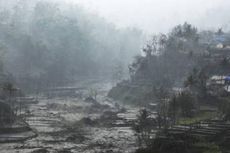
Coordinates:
<point>56,121</point>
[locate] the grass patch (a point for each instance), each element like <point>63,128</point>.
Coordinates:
<point>206,147</point>
<point>197,118</point>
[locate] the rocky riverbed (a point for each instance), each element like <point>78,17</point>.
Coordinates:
<point>78,124</point>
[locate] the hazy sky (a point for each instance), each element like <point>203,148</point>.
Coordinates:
<point>161,15</point>
<point>155,16</point>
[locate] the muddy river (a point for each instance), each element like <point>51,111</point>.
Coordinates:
<point>78,124</point>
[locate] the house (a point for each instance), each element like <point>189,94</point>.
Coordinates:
<point>227,80</point>
<point>218,40</point>
<point>217,80</point>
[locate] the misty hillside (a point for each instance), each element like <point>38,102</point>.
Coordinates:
<point>53,44</point>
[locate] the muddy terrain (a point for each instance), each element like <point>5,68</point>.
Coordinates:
<point>78,123</point>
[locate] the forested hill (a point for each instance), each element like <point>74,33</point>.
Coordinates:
<point>44,44</point>
<point>172,61</point>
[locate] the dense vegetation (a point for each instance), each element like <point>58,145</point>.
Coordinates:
<point>183,58</point>
<point>183,74</point>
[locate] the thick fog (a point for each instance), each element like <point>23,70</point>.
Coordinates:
<point>160,15</point>
<point>56,42</point>
<point>154,16</point>
<point>60,39</point>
